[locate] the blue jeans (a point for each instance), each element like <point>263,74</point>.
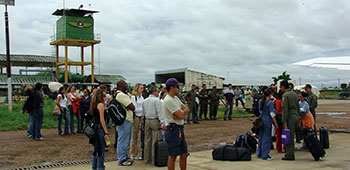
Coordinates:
<point>239,99</point>
<point>30,124</point>
<point>98,161</point>
<point>124,136</point>
<point>38,115</point>
<point>72,119</point>
<point>264,144</point>
<point>228,104</point>
<point>66,122</point>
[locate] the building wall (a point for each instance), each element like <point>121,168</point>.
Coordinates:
<point>197,78</point>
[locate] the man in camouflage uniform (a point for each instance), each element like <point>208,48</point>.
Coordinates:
<point>214,103</point>
<point>191,101</point>
<point>312,100</point>
<point>203,102</point>
<point>290,109</point>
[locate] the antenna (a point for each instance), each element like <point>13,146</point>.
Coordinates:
<point>99,61</point>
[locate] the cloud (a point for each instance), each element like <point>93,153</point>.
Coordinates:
<point>240,40</point>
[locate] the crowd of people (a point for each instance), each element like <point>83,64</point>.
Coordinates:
<point>153,113</point>
<point>285,109</point>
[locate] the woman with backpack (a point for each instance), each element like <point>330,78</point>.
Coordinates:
<point>267,114</point>
<point>97,110</point>
<point>62,105</point>
<point>73,99</point>
<point>137,101</point>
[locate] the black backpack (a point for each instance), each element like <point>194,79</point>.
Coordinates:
<point>28,106</point>
<point>256,99</point>
<point>116,112</point>
<point>246,141</point>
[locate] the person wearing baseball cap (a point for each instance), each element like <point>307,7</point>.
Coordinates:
<point>174,113</point>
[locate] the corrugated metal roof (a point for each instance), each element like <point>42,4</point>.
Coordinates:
<point>28,79</point>
<point>20,60</point>
<point>109,78</point>
<point>112,79</point>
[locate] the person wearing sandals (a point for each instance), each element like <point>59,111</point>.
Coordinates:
<point>62,105</point>
<point>267,114</point>
<point>135,143</point>
<point>97,111</point>
<point>73,97</point>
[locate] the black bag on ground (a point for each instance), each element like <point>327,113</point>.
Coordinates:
<point>314,145</point>
<point>231,153</point>
<point>116,112</point>
<point>218,153</point>
<point>237,154</point>
<point>246,141</point>
<point>324,138</point>
<point>161,153</point>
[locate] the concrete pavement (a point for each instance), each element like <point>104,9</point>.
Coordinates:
<point>337,157</point>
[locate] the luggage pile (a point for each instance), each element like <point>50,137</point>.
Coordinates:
<point>244,147</point>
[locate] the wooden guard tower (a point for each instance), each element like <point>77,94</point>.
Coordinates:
<point>74,28</point>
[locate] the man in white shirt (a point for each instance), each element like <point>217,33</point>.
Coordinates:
<point>153,113</point>
<point>174,113</point>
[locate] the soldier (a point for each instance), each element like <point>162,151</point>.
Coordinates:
<point>203,102</point>
<point>191,101</point>
<point>312,100</point>
<point>290,109</point>
<point>214,103</point>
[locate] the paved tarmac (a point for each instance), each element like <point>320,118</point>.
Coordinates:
<point>337,157</point>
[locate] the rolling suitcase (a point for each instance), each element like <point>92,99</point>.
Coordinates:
<point>237,154</point>
<point>314,145</point>
<point>324,138</point>
<point>161,153</point>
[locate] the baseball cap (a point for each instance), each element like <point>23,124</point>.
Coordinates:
<point>171,82</point>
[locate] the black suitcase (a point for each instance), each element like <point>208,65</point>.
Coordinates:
<point>218,153</point>
<point>237,154</point>
<point>324,138</point>
<point>314,145</point>
<point>161,153</point>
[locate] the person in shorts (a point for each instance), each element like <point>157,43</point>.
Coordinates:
<point>174,113</point>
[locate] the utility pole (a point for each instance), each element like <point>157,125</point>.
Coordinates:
<point>8,68</point>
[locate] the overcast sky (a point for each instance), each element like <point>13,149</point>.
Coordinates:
<point>241,40</point>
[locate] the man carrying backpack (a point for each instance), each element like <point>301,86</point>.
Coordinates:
<point>124,130</point>
<point>38,112</point>
<point>28,108</point>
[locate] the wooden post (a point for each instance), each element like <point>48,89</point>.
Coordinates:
<point>82,60</point>
<point>92,64</point>
<point>66,62</point>
<point>57,61</point>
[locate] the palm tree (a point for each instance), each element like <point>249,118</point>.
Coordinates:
<point>283,76</point>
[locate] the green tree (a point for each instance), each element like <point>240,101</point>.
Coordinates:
<point>283,76</point>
